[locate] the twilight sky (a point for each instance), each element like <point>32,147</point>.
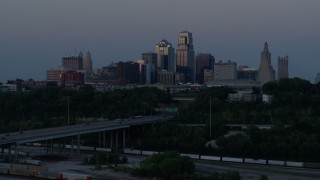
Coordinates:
<point>35,34</point>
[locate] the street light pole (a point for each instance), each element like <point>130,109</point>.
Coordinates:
<point>68,112</point>
<point>210,118</point>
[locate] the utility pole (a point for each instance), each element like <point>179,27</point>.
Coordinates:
<point>210,118</point>
<point>68,112</point>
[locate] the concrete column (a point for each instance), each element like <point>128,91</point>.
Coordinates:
<point>47,148</point>
<point>64,144</point>
<point>71,150</point>
<point>99,140</point>
<point>78,143</point>
<point>2,152</point>
<point>123,139</point>
<point>117,135</point>
<point>104,139</point>
<point>111,139</point>
<point>16,152</point>
<point>51,142</point>
<point>10,154</point>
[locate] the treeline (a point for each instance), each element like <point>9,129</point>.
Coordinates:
<point>49,106</point>
<point>294,100</point>
<point>294,114</point>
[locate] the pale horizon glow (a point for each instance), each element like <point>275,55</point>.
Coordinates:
<point>35,34</point>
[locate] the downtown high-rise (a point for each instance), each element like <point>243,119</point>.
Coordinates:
<point>266,72</point>
<point>185,60</point>
<point>165,56</point>
<point>283,67</point>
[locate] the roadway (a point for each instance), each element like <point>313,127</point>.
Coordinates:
<point>74,130</point>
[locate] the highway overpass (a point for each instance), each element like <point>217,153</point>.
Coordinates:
<point>20,137</point>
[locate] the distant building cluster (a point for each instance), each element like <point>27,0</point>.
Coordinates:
<point>166,66</point>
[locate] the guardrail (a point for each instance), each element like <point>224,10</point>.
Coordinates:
<point>232,159</point>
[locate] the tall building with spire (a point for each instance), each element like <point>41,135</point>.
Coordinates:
<point>266,72</point>
<point>87,64</point>
<point>185,60</point>
<point>165,56</point>
<point>283,67</point>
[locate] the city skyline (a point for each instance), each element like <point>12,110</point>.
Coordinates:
<point>35,35</point>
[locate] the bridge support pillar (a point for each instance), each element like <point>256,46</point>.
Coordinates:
<point>71,149</point>
<point>104,139</point>
<point>16,152</point>
<point>47,148</point>
<point>51,145</point>
<point>99,139</point>
<point>117,135</point>
<point>78,143</point>
<point>10,158</point>
<point>2,152</point>
<point>123,139</point>
<point>111,140</point>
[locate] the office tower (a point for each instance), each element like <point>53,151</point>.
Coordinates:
<point>185,62</point>
<point>165,56</point>
<point>151,73</point>
<point>149,58</point>
<point>73,62</point>
<point>166,77</point>
<point>266,72</point>
<point>283,67</point>
<point>72,78</point>
<point>128,72</point>
<point>87,64</point>
<point>110,71</point>
<point>142,71</point>
<point>54,75</point>
<point>204,61</point>
<point>207,75</point>
<point>245,72</point>
<point>225,70</point>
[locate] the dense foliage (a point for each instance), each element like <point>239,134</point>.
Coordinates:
<point>49,106</point>
<point>173,136</point>
<point>170,165</point>
<point>294,114</point>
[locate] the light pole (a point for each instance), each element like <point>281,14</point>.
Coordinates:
<point>210,117</point>
<point>68,112</point>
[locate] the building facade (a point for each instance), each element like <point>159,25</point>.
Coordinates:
<point>72,78</point>
<point>128,72</point>
<point>185,60</point>
<point>245,72</point>
<point>204,62</point>
<point>166,77</point>
<point>165,56</point>
<point>54,75</point>
<point>266,72</point>
<point>283,67</point>
<point>149,58</point>
<point>87,64</point>
<point>73,62</point>
<point>225,70</point>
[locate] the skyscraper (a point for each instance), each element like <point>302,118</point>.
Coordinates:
<point>150,67</point>
<point>266,72</point>
<point>185,56</point>
<point>73,62</point>
<point>225,70</point>
<point>149,58</point>
<point>283,67</point>
<point>204,61</point>
<point>165,56</point>
<point>87,64</point>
